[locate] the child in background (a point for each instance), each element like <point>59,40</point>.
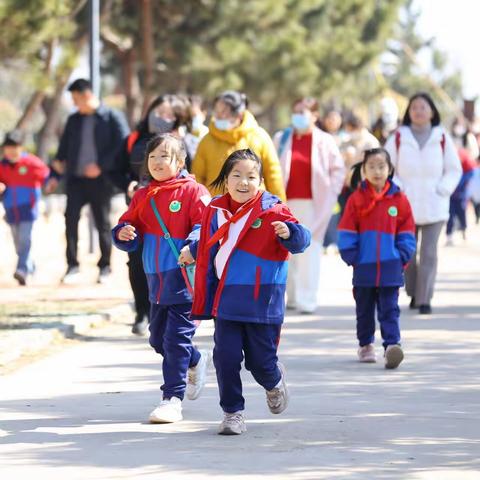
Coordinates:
<point>21,178</point>
<point>176,199</point>
<point>242,255</point>
<point>377,237</point>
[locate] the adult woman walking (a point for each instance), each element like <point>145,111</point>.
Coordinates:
<point>428,170</point>
<point>232,128</point>
<point>313,174</point>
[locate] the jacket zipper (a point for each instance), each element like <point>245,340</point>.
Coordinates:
<point>157,256</point>
<point>377,282</point>
<point>258,275</point>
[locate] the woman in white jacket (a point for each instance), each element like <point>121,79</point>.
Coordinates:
<point>313,173</point>
<point>428,169</point>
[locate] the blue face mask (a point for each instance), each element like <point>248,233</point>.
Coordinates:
<point>300,121</point>
<point>223,124</point>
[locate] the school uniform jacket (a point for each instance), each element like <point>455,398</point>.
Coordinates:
<point>24,180</point>
<point>381,243</point>
<point>245,279</point>
<point>181,209</point>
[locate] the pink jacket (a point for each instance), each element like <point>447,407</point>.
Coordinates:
<point>328,174</point>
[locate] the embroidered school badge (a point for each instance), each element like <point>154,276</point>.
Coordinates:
<point>22,170</point>
<point>392,211</point>
<point>175,206</point>
<point>257,223</point>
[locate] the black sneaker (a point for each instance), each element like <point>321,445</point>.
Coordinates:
<point>412,305</point>
<point>20,277</point>
<point>141,325</point>
<point>104,275</point>
<point>71,275</point>
<point>425,309</point>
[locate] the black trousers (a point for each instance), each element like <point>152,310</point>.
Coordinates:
<point>138,281</point>
<point>96,192</point>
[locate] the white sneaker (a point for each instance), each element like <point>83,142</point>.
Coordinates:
<point>197,376</point>
<point>233,424</point>
<point>277,398</point>
<point>168,411</point>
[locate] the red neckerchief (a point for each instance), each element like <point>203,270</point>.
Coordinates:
<point>375,198</point>
<point>222,233</point>
<point>155,187</point>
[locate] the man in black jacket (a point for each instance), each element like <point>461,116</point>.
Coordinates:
<point>86,156</point>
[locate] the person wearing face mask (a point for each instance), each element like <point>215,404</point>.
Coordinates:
<point>313,173</point>
<point>233,127</point>
<point>427,169</point>
<point>197,129</point>
<point>166,114</point>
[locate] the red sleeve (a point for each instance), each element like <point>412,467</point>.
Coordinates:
<point>132,216</point>
<point>349,220</point>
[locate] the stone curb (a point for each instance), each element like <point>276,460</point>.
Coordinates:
<point>16,343</point>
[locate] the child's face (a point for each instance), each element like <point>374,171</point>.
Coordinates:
<point>243,182</point>
<point>12,152</point>
<point>376,170</point>
<point>162,163</point>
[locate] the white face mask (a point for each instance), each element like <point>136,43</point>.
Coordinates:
<point>197,123</point>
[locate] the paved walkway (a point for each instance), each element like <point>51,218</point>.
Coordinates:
<point>81,413</point>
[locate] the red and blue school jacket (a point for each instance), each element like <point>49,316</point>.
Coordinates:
<point>180,202</point>
<point>23,179</point>
<point>251,286</point>
<point>377,236</point>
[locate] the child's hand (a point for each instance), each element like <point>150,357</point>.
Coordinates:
<point>185,256</point>
<point>126,233</point>
<point>3,187</point>
<point>281,230</point>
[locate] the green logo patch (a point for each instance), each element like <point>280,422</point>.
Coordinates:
<point>175,206</point>
<point>392,211</point>
<point>257,223</point>
<point>22,170</point>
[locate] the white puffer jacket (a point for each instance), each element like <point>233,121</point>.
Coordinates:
<point>428,176</point>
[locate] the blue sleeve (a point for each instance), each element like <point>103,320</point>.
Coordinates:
<point>126,246</point>
<point>299,239</point>
<point>406,244</point>
<point>348,246</point>
<point>193,246</point>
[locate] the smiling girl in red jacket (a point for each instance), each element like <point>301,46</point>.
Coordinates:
<point>377,237</point>
<point>245,240</point>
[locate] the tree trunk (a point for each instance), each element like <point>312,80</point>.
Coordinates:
<point>39,95</point>
<point>148,55</point>
<point>131,86</point>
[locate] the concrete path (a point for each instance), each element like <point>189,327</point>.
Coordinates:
<point>81,413</point>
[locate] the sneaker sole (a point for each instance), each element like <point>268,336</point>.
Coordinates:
<point>229,431</point>
<point>367,360</point>
<point>154,420</point>
<point>393,357</point>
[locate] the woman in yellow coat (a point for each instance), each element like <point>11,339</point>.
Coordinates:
<point>232,128</point>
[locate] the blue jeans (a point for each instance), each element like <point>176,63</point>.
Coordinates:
<point>22,238</point>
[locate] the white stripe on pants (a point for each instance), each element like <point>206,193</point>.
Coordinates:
<point>304,271</point>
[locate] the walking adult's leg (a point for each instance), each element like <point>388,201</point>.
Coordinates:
<point>427,264</point>
<point>75,201</point>
<point>411,270</point>
<point>138,282</point>
<point>100,195</point>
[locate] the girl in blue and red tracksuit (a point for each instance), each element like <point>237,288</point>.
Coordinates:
<point>21,178</point>
<point>377,237</point>
<point>176,199</point>
<point>242,255</point>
